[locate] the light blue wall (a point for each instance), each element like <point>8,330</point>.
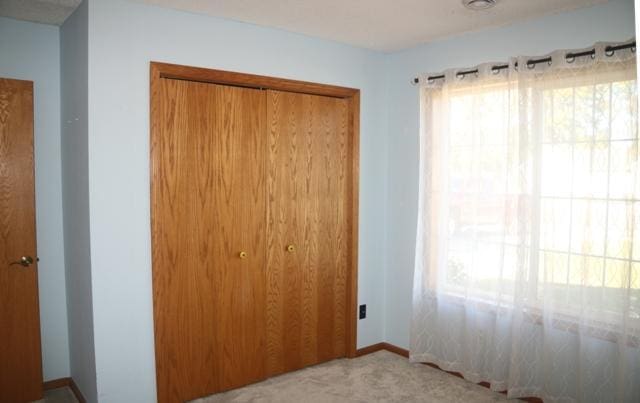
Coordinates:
<point>123,38</point>
<point>75,186</point>
<point>31,52</point>
<point>613,21</point>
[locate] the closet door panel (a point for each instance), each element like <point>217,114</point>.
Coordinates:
<point>331,148</point>
<point>208,205</point>
<point>307,190</point>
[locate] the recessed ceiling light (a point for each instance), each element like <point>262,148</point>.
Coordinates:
<point>478,4</point>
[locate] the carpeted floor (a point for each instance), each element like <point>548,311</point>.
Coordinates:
<point>377,377</point>
<point>60,395</point>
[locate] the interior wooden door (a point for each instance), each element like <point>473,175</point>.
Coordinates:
<point>20,356</point>
<point>308,229</point>
<point>208,237</point>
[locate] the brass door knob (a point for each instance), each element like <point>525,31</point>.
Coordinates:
<point>242,255</point>
<point>290,248</point>
<point>25,261</point>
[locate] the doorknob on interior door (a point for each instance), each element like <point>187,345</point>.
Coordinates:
<point>290,248</point>
<point>242,255</point>
<point>25,261</point>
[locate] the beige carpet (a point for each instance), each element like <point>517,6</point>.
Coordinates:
<point>377,377</point>
<point>60,395</point>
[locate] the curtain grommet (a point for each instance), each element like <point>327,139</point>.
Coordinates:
<point>608,51</point>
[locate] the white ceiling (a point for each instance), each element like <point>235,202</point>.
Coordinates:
<point>44,11</point>
<point>385,25</point>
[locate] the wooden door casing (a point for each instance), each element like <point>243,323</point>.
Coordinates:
<point>20,351</point>
<point>208,205</point>
<point>308,208</point>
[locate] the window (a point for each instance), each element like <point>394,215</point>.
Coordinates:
<point>535,184</point>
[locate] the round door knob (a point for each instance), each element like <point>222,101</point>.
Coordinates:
<point>290,248</point>
<point>242,255</point>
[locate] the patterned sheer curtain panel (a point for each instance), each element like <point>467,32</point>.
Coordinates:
<point>527,270</point>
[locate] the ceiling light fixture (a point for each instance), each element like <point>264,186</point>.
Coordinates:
<point>478,4</point>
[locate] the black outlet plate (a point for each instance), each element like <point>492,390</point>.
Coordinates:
<point>363,311</point>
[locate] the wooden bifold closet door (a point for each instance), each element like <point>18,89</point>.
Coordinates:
<point>307,229</point>
<point>252,224</point>
<point>209,206</point>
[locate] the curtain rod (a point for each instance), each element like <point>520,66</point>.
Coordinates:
<point>609,51</point>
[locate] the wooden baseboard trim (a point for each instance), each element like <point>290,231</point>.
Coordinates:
<point>369,349</point>
<point>65,382</point>
<point>395,349</point>
<point>76,391</point>
<point>382,346</point>
<point>56,383</point>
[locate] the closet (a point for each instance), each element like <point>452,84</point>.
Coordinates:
<point>254,227</point>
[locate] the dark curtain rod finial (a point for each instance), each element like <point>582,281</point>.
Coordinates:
<point>609,51</point>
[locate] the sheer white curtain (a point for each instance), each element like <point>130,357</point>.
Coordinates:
<point>527,271</point>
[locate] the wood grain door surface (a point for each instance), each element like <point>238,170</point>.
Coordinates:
<point>263,172</point>
<point>208,201</point>
<point>20,355</point>
<point>307,185</point>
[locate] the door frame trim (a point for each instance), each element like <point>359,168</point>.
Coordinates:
<point>159,70</point>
